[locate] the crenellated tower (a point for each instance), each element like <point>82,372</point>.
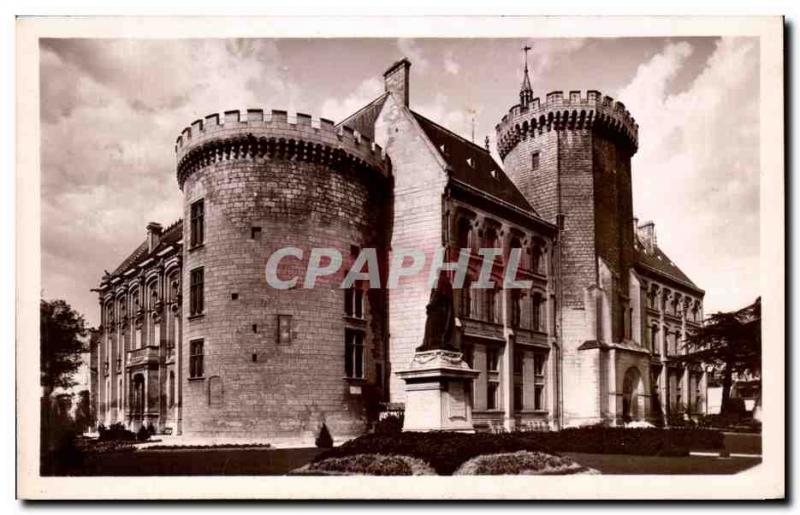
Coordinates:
<point>570,155</point>
<point>274,361</point>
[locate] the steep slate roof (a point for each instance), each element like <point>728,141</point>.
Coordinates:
<point>472,164</point>
<point>171,235</point>
<point>660,264</point>
<point>363,120</point>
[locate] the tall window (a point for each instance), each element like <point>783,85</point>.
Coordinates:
<point>465,299</point>
<point>539,360</point>
<point>654,340</point>
<point>518,397</point>
<point>196,358</point>
<point>197,228</point>
<point>492,359</point>
<point>490,297</point>
<point>516,308</point>
<point>354,302</point>
<point>463,235</point>
<point>171,389</point>
<point>196,292</point>
<point>535,161</point>
<point>491,395</point>
<point>354,354</point>
<point>538,264</point>
<point>537,312</point>
<point>519,359</point>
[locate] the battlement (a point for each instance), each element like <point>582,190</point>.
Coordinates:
<point>255,133</point>
<point>570,111</point>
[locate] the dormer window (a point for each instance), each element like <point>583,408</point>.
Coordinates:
<point>471,162</point>
<point>493,173</point>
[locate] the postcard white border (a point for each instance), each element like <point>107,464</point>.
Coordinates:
<point>764,481</point>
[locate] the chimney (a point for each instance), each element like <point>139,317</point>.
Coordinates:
<point>395,80</point>
<point>153,235</point>
<point>647,233</point>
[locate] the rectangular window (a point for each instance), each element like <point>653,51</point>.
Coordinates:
<point>285,329</point>
<point>538,364</point>
<point>538,397</point>
<point>354,354</point>
<point>535,161</point>
<point>196,292</point>
<point>492,359</point>
<point>491,297</point>
<point>539,361</point>
<point>196,358</point>
<point>518,397</point>
<point>197,229</point>
<point>518,363</point>
<point>354,302</point>
<point>491,395</point>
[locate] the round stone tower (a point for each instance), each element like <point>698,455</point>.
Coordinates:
<point>570,155</point>
<point>275,362</point>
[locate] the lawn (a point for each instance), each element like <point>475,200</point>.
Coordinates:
<point>171,462</point>
<point>628,464</point>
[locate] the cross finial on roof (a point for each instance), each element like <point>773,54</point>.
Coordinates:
<point>526,91</point>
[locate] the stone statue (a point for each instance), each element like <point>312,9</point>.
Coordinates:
<point>440,320</point>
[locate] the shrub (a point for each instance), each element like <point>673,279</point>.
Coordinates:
<point>516,463</point>
<point>389,425</point>
<point>444,451</point>
<point>373,465</point>
<point>115,432</point>
<point>143,434</point>
<point>324,440</point>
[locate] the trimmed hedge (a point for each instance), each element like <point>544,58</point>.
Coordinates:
<point>446,451</point>
<point>519,463</point>
<point>370,465</point>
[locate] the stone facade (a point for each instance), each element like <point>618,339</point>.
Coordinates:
<point>195,341</point>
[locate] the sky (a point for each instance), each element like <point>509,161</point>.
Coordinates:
<point>111,109</point>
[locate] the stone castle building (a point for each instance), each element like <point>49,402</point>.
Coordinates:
<point>194,341</point>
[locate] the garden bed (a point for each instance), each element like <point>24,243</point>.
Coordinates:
<point>523,463</point>
<point>447,451</point>
<point>367,465</point>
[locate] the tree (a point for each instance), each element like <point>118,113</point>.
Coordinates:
<point>60,342</point>
<point>84,416</point>
<point>730,341</point>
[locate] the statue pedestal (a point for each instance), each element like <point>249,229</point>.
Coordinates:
<point>438,387</point>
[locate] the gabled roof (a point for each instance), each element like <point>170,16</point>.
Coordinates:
<point>659,264</point>
<point>171,235</point>
<point>472,164</point>
<point>363,120</point>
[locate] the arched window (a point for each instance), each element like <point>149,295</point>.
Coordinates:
<point>654,339</point>
<point>538,264</point>
<point>464,233</point>
<point>515,243</point>
<point>489,238</point>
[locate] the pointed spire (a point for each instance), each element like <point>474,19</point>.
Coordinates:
<point>526,91</point>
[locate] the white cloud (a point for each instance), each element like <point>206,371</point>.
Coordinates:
<point>697,170</point>
<point>110,112</point>
<point>545,52</point>
<point>451,66</point>
<point>455,118</point>
<point>337,109</point>
<point>413,52</point>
